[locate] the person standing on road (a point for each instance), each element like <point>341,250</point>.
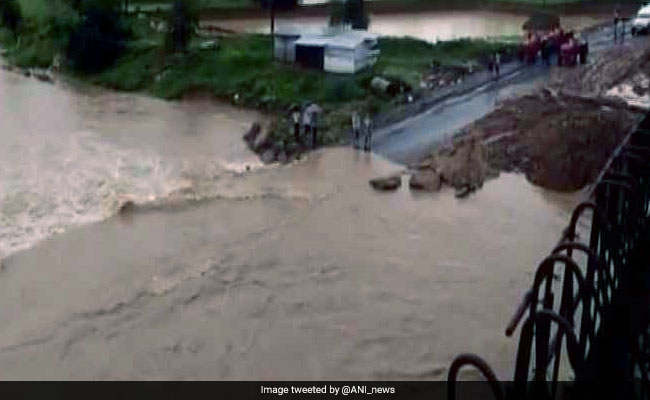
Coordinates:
<point>314,129</point>
<point>367,125</point>
<point>295,116</point>
<point>617,18</point>
<point>546,51</point>
<point>306,122</point>
<point>356,129</point>
<point>497,65</point>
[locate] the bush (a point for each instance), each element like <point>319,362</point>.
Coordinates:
<point>10,15</point>
<point>341,90</point>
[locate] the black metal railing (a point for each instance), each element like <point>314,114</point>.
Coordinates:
<point>588,310</point>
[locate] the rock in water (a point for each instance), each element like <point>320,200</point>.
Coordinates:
<point>42,76</point>
<point>386,184</point>
<point>262,139</point>
<point>268,156</point>
<point>466,165</point>
<point>252,133</point>
<point>426,180</point>
<point>282,157</point>
<point>126,207</point>
<point>462,192</point>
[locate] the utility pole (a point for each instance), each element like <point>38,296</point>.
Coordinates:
<point>272,11</point>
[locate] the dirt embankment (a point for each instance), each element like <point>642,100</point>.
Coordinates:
<point>559,141</point>
<point>560,137</point>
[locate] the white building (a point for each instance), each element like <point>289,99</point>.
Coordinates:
<point>340,51</point>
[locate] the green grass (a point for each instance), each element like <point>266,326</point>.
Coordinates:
<point>243,65</point>
<point>409,58</point>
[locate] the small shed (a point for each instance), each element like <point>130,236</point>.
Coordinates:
<point>340,51</point>
<point>351,51</point>
<point>284,43</point>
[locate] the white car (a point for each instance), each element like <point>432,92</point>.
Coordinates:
<point>641,24</point>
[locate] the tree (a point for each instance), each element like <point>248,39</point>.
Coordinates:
<point>349,12</point>
<point>11,16</point>
<point>183,18</point>
<point>277,5</point>
<point>99,38</point>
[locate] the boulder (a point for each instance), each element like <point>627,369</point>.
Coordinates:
<point>127,206</point>
<point>268,156</point>
<point>262,139</point>
<point>426,180</point>
<point>42,75</point>
<point>386,183</point>
<point>252,133</point>
<point>282,157</point>
<point>465,165</point>
<point>462,192</point>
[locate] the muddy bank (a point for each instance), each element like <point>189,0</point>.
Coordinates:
<point>558,141</point>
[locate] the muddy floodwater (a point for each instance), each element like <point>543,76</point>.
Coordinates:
<point>431,25</point>
<point>292,272</point>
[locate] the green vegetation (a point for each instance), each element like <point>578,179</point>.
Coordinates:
<point>408,58</point>
<point>11,15</point>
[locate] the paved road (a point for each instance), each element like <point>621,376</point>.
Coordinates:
<point>411,139</point>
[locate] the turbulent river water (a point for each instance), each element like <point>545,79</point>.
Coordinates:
<point>430,25</point>
<point>70,156</point>
<point>293,272</point>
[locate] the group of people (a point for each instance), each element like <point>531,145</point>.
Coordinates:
<point>360,127</point>
<point>305,120</point>
<point>565,45</point>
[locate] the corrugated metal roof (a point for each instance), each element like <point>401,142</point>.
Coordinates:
<point>345,39</point>
<point>319,41</point>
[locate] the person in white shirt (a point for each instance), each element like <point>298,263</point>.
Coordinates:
<point>306,122</point>
<point>295,116</point>
<point>314,129</point>
<point>497,65</point>
<point>367,125</point>
<point>356,128</point>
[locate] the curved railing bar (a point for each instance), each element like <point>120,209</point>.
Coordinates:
<point>477,362</point>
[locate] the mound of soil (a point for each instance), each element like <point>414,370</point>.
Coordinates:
<point>560,142</point>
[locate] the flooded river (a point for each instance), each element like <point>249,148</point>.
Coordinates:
<point>430,25</point>
<point>294,272</point>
